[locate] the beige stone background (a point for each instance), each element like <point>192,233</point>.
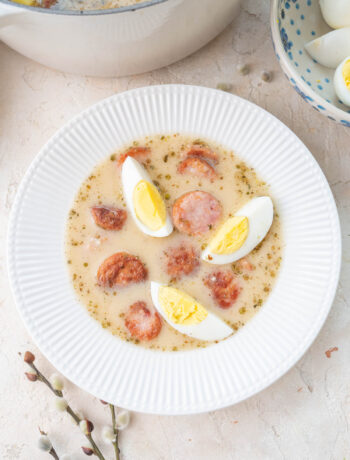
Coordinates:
<point>306,414</point>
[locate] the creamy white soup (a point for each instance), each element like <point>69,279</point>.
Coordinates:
<point>112,263</point>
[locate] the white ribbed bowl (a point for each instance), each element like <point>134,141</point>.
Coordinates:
<point>181,382</point>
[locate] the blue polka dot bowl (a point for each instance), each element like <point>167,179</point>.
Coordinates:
<point>294,23</point>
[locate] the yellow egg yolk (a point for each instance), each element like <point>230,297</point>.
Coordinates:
<point>346,73</point>
<point>230,236</point>
<point>26,2</point>
<point>179,307</point>
<point>149,205</point>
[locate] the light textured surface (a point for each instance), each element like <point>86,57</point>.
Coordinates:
<point>305,415</point>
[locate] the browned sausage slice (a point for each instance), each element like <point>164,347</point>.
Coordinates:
<point>194,213</point>
<point>201,151</point>
<point>139,153</point>
<point>121,269</point>
<point>224,287</point>
<point>181,260</point>
<point>197,167</point>
<point>48,3</point>
<point>141,323</point>
<point>108,218</point>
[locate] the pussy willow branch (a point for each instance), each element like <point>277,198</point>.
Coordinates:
<point>52,450</point>
<point>70,411</point>
<point>115,431</point>
<point>54,453</point>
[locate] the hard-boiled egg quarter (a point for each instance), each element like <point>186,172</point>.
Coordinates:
<point>330,49</point>
<point>336,13</point>
<point>239,234</point>
<point>342,81</point>
<point>144,200</point>
<point>186,315</point>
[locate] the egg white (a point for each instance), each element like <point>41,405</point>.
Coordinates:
<point>132,173</point>
<point>210,329</point>
<point>330,49</point>
<point>259,212</point>
<point>340,87</point>
<point>336,13</point>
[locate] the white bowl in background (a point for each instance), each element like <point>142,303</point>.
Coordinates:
<point>114,42</point>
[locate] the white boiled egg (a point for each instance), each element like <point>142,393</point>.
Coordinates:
<point>186,315</point>
<point>241,233</point>
<point>144,201</point>
<point>342,81</point>
<point>336,13</point>
<point>330,49</point>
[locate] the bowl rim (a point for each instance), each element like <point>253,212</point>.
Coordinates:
<point>122,9</point>
<point>276,38</point>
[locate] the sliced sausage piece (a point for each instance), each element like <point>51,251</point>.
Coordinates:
<point>197,167</point>
<point>48,3</point>
<point>181,260</point>
<point>201,151</point>
<point>224,287</point>
<point>108,218</point>
<point>194,213</point>
<point>121,269</point>
<point>139,153</point>
<point>141,323</point>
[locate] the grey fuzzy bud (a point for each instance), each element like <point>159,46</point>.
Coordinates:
<point>44,443</point>
<point>86,426</point>
<point>61,404</point>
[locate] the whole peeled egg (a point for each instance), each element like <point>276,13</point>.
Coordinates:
<point>241,233</point>
<point>336,13</point>
<point>144,200</point>
<point>342,81</point>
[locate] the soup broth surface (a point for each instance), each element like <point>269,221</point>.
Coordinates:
<point>94,4</point>
<point>80,5</point>
<point>88,245</point>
